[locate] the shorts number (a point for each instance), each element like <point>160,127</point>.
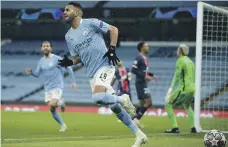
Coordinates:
<point>103,76</point>
<point>146,90</point>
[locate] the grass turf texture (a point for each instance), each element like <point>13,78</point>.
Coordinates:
<point>38,129</point>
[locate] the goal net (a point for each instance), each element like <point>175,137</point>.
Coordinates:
<point>211,98</point>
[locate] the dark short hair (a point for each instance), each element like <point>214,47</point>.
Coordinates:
<point>75,4</point>
<point>140,45</point>
<point>47,42</point>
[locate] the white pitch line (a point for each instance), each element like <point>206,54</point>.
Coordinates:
<point>66,137</point>
<point>81,137</point>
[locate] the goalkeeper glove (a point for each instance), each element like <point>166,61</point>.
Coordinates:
<point>168,95</point>
<point>111,54</point>
<point>65,62</point>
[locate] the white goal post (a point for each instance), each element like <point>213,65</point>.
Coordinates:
<point>211,76</point>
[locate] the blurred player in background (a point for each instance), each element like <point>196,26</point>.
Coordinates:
<point>86,44</point>
<point>54,81</point>
<point>140,68</point>
<point>183,95</point>
<point>123,76</point>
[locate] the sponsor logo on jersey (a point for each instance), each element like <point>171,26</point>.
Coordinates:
<point>84,44</point>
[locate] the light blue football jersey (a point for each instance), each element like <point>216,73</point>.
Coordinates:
<point>52,72</point>
<point>88,43</point>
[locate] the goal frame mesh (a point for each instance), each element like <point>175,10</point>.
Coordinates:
<point>198,60</point>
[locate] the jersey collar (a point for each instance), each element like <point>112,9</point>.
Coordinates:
<point>78,26</point>
<point>143,56</point>
<point>51,55</point>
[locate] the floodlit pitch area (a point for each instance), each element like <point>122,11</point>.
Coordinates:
<point>38,129</point>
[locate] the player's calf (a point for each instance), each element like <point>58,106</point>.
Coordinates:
<point>147,103</point>
<point>61,104</point>
<point>121,113</point>
<point>58,118</point>
<point>172,117</point>
<point>100,96</point>
<point>53,103</point>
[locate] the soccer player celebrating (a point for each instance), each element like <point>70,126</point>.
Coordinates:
<point>184,75</point>
<point>54,81</point>
<point>140,68</point>
<point>86,44</point>
<point>123,76</point>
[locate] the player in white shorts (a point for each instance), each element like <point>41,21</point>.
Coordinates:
<point>86,44</point>
<point>107,71</point>
<point>54,81</point>
<point>55,93</point>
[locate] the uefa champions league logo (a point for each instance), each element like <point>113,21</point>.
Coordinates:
<point>85,32</point>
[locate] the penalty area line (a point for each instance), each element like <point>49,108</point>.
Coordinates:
<point>66,137</point>
<point>88,137</point>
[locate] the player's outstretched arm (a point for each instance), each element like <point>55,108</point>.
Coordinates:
<point>71,73</point>
<point>36,73</point>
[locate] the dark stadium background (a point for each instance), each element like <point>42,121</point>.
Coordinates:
<point>24,25</point>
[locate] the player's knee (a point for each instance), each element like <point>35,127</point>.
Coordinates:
<point>53,103</point>
<point>97,97</point>
<point>52,109</point>
<point>148,103</point>
<point>116,108</point>
<point>186,106</point>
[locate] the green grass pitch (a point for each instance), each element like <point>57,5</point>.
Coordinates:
<point>38,129</point>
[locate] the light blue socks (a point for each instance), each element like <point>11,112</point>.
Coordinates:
<point>124,117</point>
<point>56,116</point>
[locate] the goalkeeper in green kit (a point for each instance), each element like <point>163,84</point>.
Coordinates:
<point>184,93</point>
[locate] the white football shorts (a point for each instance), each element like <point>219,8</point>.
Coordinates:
<point>55,93</point>
<point>104,77</point>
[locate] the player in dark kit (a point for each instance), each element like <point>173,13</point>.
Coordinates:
<point>140,68</point>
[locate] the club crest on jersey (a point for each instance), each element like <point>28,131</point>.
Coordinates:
<point>85,32</point>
